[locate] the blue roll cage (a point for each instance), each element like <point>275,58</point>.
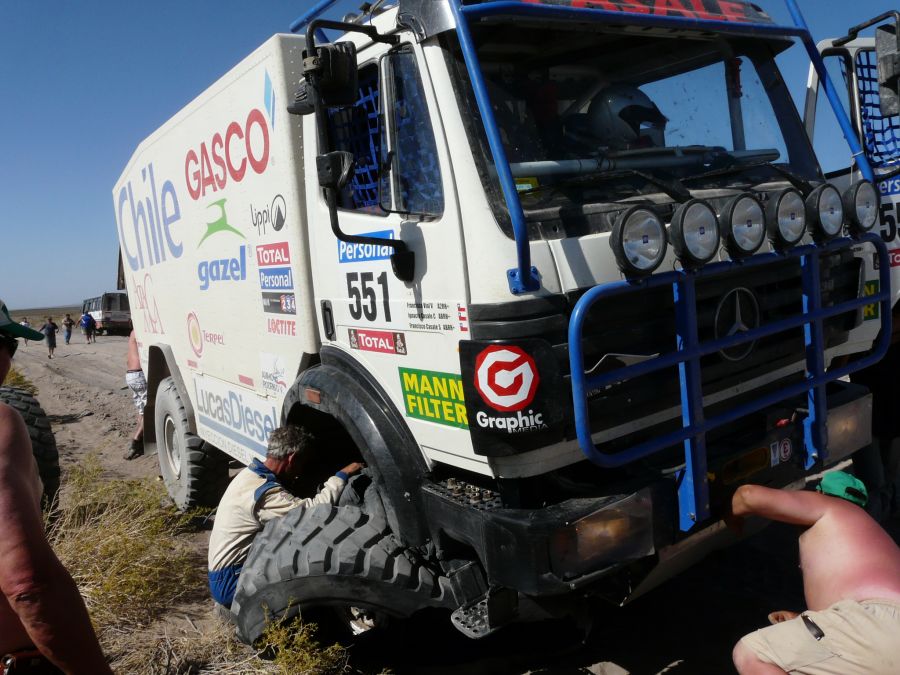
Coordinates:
<point>693,487</point>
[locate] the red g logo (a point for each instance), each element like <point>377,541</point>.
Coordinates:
<point>506,377</point>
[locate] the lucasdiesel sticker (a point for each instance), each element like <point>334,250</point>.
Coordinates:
<point>434,397</point>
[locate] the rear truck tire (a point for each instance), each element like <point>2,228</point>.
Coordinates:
<point>342,557</point>
<point>43,443</point>
<point>195,473</point>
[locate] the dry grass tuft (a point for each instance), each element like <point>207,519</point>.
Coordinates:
<point>15,379</point>
<point>296,650</point>
<point>123,542</point>
<point>118,541</point>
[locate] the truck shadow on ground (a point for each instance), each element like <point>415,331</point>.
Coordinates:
<point>689,625</point>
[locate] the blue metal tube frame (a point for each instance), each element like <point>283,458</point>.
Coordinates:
<point>828,87</point>
<point>524,277</point>
<point>693,491</point>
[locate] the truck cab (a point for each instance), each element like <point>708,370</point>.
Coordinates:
<point>564,274</point>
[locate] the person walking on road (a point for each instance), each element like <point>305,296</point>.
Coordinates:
<point>256,496</point>
<point>25,323</point>
<point>134,378</point>
<point>87,324</point>
<point>68,322</point>
<point>851,582</point>
<point>50,329</point>
<point>44,625</point>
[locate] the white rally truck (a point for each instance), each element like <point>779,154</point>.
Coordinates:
<point>563,274</point>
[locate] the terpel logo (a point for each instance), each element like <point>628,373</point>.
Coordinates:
<point>506,378</point>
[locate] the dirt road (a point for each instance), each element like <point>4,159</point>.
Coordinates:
<point>688,626</point>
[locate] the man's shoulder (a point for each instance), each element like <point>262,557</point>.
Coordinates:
<point>13,435</point>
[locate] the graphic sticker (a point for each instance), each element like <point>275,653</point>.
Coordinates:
<point>506,377</point>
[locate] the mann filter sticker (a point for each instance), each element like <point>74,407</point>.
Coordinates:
<point>514,394</point>
<point>434,396</point>
<point>873,311</point>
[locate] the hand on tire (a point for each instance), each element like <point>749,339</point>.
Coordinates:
<point>351,469</point>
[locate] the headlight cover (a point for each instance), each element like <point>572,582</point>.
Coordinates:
<point>744,225</point>
<point>861,202</point>
<point>786,216</point>
<point>825,208</point>
<point>695,233</point>
<point>638,241</point>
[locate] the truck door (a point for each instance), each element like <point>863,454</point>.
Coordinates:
<point>403,333</point>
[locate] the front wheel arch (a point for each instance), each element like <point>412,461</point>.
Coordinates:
<point>348,395</point>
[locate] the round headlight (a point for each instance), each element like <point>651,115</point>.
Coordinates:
<point>786,216</point>
<point>861,203</point>
<point>825,209</point>
<point>744,226</point>
<point>638,241</point>
<point>695,233</point>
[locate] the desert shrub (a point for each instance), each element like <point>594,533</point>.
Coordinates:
<point>16,379</point>
<point>126,546</point>
<point>119,541</point>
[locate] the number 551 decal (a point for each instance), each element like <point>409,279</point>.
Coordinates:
<point>364,299</point>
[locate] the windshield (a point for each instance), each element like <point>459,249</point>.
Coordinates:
<point>591,117</point>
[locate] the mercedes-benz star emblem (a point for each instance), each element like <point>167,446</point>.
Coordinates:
<point>738,312</point>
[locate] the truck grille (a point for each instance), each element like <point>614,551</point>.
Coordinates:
<point>622,330</point>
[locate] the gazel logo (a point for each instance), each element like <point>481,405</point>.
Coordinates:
<point>506,377</point>
<point>220,224</point>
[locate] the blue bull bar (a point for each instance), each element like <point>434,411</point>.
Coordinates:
<point>693,490</point>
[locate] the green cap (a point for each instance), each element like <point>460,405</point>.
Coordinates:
<point>845,486</point>
<point>10,327</point>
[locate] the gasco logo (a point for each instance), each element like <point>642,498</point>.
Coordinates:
<point>506,378</point>
<point>227,156</point>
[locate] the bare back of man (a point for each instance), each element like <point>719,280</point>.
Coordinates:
<point>851,579</point>
<point>133,359</point>
<point>20,492</point>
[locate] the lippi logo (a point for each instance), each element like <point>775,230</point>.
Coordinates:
<point>506,378</point>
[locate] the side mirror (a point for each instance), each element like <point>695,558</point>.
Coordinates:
<point>886,47</point>
<point>332,69</point>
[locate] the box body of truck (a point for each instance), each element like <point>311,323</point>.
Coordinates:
<point>442,276</point>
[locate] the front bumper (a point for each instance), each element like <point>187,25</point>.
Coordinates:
<point>572,545</point>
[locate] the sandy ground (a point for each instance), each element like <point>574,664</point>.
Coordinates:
<point>687,626</point>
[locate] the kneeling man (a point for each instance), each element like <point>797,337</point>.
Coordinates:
<point>256,496</point>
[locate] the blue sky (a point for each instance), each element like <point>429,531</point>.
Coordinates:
<point>84,82</point>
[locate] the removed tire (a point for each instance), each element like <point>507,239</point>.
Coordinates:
<point>43,444</point>
<point>195,473</point>
<point>330,556</point>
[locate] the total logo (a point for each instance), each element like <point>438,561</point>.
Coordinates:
<point>198,337</point>
<point>273,216</point>
<point>222,269</point>
<point>507,379</point>
<point>228,155</point>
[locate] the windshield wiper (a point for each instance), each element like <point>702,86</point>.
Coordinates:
<point>797,181</point>
<point>673,187</point>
